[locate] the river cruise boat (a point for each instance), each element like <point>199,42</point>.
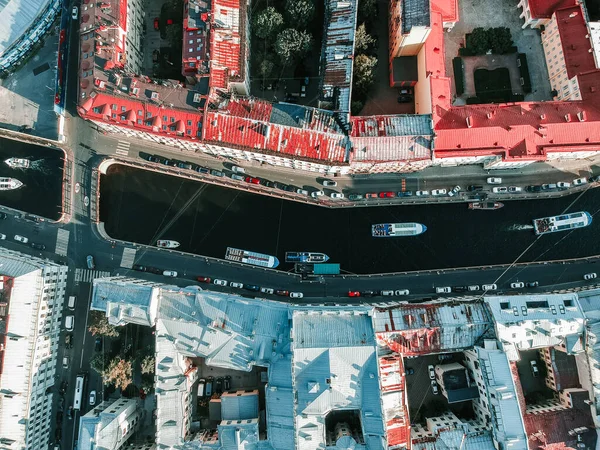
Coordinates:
<point>397,229</point>
<point>164,243</point>
<point>253,258</point>
<point>306,257</point>
<point>486,205</point>
<point>564,222</point>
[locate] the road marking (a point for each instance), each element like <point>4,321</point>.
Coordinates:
<point>62,242</point>
<point>123,148</point>
<point>128,257</point>
<point>86,275</point>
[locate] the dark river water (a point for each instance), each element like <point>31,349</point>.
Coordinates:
<point>42,189</point>
<point>143,206</point>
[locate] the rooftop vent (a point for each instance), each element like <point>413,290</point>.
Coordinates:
<point>469,122</point>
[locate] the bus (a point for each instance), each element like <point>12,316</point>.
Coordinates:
<point>79,386</point>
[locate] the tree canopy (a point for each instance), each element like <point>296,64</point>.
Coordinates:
<point>364,73</point>
<point>292,44</point>
<point>99,325</point>
<point>119,372</point>
<point>299,12</point>
<point>362,39</point>
<point>267,23</point>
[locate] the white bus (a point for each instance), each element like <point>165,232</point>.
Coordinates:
<point>79,386</point>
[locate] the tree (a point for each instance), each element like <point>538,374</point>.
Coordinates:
<point>292,44</point>
<point>299,12</point>
<point>99,325</point>
<point>500,40</point>
<point>356,107</point>
<point>266,66</point>
<point>367,11</point>
<point>99,362</point>
<point>267,23</point>
<point>478,41</point>
<point>364,68</point>
<point>148,364</point>
<point>119,372</point>
<point>362,39</point>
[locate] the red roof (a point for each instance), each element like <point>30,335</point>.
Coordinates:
<point>144,116</point>
<point>589,86</point>
<point>225,42</point>
<point>448,9</point>
<point>576,45</point>
<point>543,9</point>
<point>435,66</point>
<point>264,136</point>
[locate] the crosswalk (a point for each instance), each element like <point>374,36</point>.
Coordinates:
<point>128,257</point>
<point>62,242</point>
<point>87,275</point>
<point>123,148</point>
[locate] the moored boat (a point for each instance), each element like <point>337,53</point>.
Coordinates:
<point>8,184</point>
<point>18,163</point>
<point>564,222</point>
<point>306,257</point>
<point>397,229</point>
<point>254,258</point>
<point>486,205</point>
<point>165,243</point>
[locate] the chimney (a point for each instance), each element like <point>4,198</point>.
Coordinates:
<point>543,116</point>
<point>568,117</point>
<point>469,122</point>
<point>489,115</point>
<point>581,116</point>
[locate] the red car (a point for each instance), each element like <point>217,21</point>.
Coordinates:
<point>282,292</point>
<point>353,294</point>
<point>371,195</point>
<point>386,194</point>
<point>203,279</point>
<point>156,27</point>
<point>252,180</point>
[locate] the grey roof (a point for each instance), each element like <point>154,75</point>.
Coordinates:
<point>464,394</point>
<point>405,68</point>
<point>415,13</point>
<point>239,406</point>
<point>17,17</point>
<point>280,404</point>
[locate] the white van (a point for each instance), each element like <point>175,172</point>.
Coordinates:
<point>65,362</point>
<point>72,300</point>
<point>238,169</point>
<point>70,323</point>
<point>201,387</point>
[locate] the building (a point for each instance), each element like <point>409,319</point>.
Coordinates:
<point>109,425</point>
<point>537,13</point>
<point>454,380</point>
<point>31,303</point>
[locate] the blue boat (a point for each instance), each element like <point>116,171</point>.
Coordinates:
<point>247,257</point>
<point>306,257</point>
<point>563,222</point>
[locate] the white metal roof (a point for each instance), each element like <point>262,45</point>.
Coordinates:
<point>17,17</point>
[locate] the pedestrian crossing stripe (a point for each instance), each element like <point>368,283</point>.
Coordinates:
<point>123,148</point>
<point>128,257</point>
<point>87,275</point>
<point>62,242</point>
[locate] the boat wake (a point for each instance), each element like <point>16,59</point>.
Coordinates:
<point>520,227</point>
<point>40,166</point>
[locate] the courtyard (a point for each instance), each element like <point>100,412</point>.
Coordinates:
<point>489,14</point>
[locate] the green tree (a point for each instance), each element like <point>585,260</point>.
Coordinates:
<point>500,40</point>
<point>478,41</point>
<point>362,39</point>
<point>99,362</point>
<point>292,44</point>
<point>118,372</point>
<point>299,12</point>
<point>367,11</point>
<point>148,363</point>
<point>99,325</point>
<point>356,107</point>
<point>266,66</point>
<point>267,23</point>
<point>364,73</point>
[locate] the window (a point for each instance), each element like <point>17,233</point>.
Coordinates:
<point>164,127</point>
<point>113,107</point>
<point>504,305</point>
<point>139,112</point>
<point>123,109</point>
<point>114,116</point>
<point>165,118</point>
<point>568,302</point>
<point>189,122</point>
<point>139,121</point>
<point>172,119</point>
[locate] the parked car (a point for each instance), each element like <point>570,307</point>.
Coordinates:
<point>266,290</point>
<point>489,287</point>
<point>532,284</point>
<point>216,173</point>
<point>302,191</point>
<point>184,165</point>
<point>579,181</point>
<point>282,292</point>
<point>235,176</point>
<point>138,267</point>
<point>563,185</point>
<point>69,340</point>
<point>2,236</point>
<point>296,295</point>
<point>494,180</point>
<point>266,183</point>
<point>371,195</point>
<point>170,273</point>
<point>409,371</point>
<point>443,290</point>
<point>459,289</point>
<point>203,279</point>
<point>316,194</point>
<point>70,323</point>
<point>220,282</point>
<point>3,216</point>
<point>434,388</point>
<point>474,188</point>
<point>208,388</point>
<point>155,270</point>
<point>90,262</point>
<point>473,287</point>
<point>445,357</point>
<point>402,292</point>
<point>290,188</point>
<point>431,371</point>
<point>336,195</point>
<point>404,99</point>
<point>219,385</point>
<point>534,368</point>
<point>387,293</point>
<point>204,170</point>
<point>98,344</point>
<point>594,179</point>
<point>533,188</point>
<point>21,239</point>
<point>439,192</point>
<point>500,190</point>
<point>252,180</point>
<point>549,186</point>
<point>368,293</point>
<point>455,190</point>
<point>517,285</point>
<point>38,246</point>
<point>353,294</point>
<point>514,189</point>
<point>74,12</point>
<point>329,183</point>
<point>387,194</point>
<point>252,287</point>
<point>422,193</point>
<point>238,169</point>
<point>355,197</point>
<point>280,186</point>
<point>589,276</point>
<point>235,284</point>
